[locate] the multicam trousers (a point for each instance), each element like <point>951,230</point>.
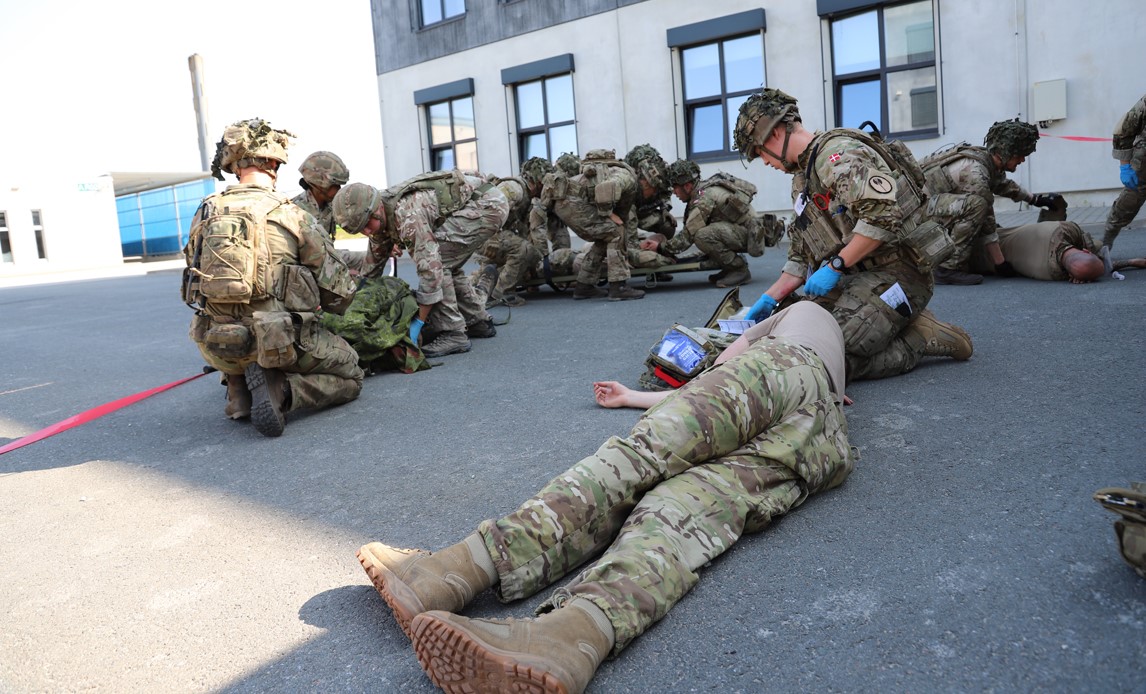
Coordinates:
<point>1123,211</point>
<point>606,237</point>
<point>741,444</point>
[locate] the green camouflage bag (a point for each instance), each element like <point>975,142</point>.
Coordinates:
<point>1131,527</point>
<point>377,326</point>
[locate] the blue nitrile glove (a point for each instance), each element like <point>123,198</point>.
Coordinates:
<point>416,329</point>
<point>1129,176</point>
<point>762,308</point>
<point>822,281</point>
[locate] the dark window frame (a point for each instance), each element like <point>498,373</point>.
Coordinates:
<point>422,24</point>
<point>540,72</point>
<point>881,73</point>
<point>691,105</point>
<point>38,232</point>
<point>452,144</point>
<point>5,239</point>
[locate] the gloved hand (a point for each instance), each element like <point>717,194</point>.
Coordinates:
<point>822,281</point>
<point>416,329</point>
<point>1046,200</point>
<point>763,308</point>
<point>1129,176</point>
<point>1005,269</point>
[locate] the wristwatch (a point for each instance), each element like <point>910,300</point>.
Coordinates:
<point>837,263</point>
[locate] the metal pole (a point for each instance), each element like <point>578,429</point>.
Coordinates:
<point>195,63</point>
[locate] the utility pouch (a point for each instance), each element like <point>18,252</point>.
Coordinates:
<point>306,327</point>
<point>929,244</point>
<point>297,288</point>
<point>604,194</point>
<point>200,324</point>
<point>227,340</point>
<point>683,353</point>
<point>275,335</point>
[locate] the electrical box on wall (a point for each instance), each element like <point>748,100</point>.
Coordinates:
<point>1050,101</point>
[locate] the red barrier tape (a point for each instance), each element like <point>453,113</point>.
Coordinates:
<point>94,413</point>
<point>1079,138</point>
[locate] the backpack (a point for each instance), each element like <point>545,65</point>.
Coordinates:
<point>230,258</point>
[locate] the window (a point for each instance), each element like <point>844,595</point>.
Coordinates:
<point>434,11</point>
<point>38,229</point>
<point>5,241</point>
<point>545,117</point>
<point>453,138</point>
<point>883,68</point>
<point>721,64</point>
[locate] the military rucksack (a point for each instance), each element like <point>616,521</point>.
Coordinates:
<point>230,258</point>
<point>449,187</point>
<point>934,164</point>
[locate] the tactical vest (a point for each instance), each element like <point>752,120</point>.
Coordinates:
<point>518,212</point>
<point>449,187</point>
<point>594,186</point>
<point>230,257</point>
<point>737,207</point>
<point>824,232</point>
<point>934,166</point>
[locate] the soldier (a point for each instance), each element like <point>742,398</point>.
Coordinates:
<point>739,445</point>
<point>1130,151</point>
<point>597,204</point>
<point>859,204</point>
<point>518,246</point>
<point>654,199</point>
<point>441,217</point>
<point>718,218</point>
<point>259,267</point>
<point>323,175</point>
<point>962,183</point>
<point>1044,251</point>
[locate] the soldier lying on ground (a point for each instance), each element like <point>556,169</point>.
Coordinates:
<point>1045,251</point>
<point>743,443</point>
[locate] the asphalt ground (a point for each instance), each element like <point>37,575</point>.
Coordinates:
<point>164,547</point>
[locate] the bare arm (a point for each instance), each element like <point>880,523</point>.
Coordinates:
<point>612,394</point>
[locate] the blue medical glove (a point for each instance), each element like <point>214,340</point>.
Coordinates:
<point>416,329</point>
<point>822,281</point>
<point>1129,176</point>
<point>762,308</point>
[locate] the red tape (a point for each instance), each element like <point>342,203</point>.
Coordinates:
<point>94,413</point>
<point>1078,138</point>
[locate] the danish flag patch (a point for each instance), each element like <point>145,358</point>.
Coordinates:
<point>834,158</point>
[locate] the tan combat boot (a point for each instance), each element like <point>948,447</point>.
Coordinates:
<point>735,277</point>
<point>412,581</point>
<point>621,291</point>
<point>556,653</point>
<point>941,339</point>
<point>270,395</point>
<point>584,290</point>
<point>238,397</point>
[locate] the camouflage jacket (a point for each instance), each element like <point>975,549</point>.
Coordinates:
<point>325,216</point>
<point>713,201</point>
<point>974,173</point>
<point>1130,137</point>
<point>521,209</point>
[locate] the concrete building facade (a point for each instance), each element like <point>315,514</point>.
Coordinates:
<point>487,83</point>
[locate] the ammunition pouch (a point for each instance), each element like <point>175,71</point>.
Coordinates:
<point>296,287</point>
<point>274,337</point>
<point>928,244</point>
<point>226,340</point>
<point>605,196</point>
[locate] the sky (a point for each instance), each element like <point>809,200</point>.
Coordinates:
<point>91,87</point>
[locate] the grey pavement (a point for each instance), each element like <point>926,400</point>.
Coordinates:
<point>164,547</point>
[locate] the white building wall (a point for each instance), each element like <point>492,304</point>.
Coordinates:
<point>80,227</point>
<point>627,86</point>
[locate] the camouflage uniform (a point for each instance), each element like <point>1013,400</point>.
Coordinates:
<point>1129,145</point>
<point>515,248</point>
<point>720,222</point>
<point>862,196</point>
<point>734,448</point>
<point>1036,250</point>
<point>962,197</point>
<point>326,371</point>
<point>441,250</point>
<point>325,216</point>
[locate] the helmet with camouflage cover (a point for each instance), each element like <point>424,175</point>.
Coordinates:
<point>1011,138</point>
<point>649,165</point>
<point>683,171</point>
<point>246,142</point>
<point>353,206</point>
<point>569,163</point>
<point>759,115</point>
<point>534,169</point>
<point>323,170</point>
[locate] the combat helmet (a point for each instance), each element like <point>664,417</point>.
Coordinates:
<point>246,141</point>
<point>353,206</point>
<point>534,169</point>
<point>323,170</point>
<point>759,115</point>
<point>683,171</point>
<point>1011,138</point>
<point>569,163</point>
<point>649,165</point>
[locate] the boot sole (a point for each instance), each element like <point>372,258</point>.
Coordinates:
<point>461,663</point>
<point>453,350</point>
<point>268,419</point>
<point>403,604</point>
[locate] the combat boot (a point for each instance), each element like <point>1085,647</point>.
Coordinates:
<point>940,339</point>
<point>270,399</point>
<point>735,278</point>
<point>621,291</point>
<point>447,342</point>
<point>1108,237</point>
<point>945,275</point>
<point>481,328</point>
<point>413,581</point>
<point>717,276</point>
<point>238,397</point>
<point>556,652</point>
<point>584,290</point>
